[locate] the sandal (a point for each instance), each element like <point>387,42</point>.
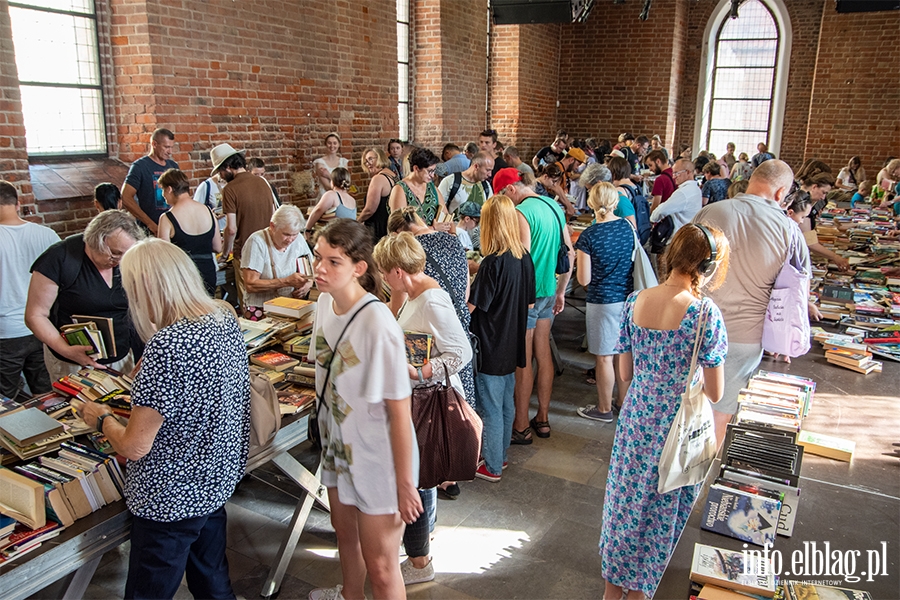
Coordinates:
<point>537,426</point>
<point>590,376</point>
<point>521,438</point>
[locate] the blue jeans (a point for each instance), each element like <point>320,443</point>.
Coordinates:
<point>496,407</point>
<point>417,535</point>
<point>161,553</point>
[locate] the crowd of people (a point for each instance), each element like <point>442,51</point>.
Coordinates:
<point>475,244</point>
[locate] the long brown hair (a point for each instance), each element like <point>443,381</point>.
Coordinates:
<point>690,247</point>
<point>355,240</point>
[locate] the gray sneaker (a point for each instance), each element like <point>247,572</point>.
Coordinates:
<point>412,575</point>
<point>327,593</point>
<point>590,412</point>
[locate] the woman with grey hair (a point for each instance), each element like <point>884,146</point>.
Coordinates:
<point>276,261</point>
<point>80,276</point>
<point>593,174</point>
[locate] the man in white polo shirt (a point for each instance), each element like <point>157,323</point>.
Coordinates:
<point>760,236</point>
<point>685,201</point>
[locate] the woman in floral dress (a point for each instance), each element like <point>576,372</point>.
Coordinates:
<point>659,326</point>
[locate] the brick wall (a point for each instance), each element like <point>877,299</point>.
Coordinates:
<point>616,72</point>
<point>13,156</point>
<point>525,85</point>
<point>450,72</point>
<point>855,106</point>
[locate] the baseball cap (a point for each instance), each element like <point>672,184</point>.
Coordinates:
<point>577,154</point>
<point>504,177</point>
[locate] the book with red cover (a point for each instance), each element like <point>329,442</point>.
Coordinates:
<point>274,360</point>
<point>882,337</point>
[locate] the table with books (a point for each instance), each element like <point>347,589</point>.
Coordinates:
<point>765,526</point>
<point>61,505</point>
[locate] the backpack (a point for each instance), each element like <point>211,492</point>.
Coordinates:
<point>457,181</point>
<point>69,270</point>
<point>641,211</point>
<point>661,233</point>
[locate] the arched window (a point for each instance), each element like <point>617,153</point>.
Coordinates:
<point>742,90</point>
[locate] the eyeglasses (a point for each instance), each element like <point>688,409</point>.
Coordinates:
<point>369,160</point>
<point>431,172</point>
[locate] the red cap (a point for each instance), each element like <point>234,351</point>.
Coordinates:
<point>504,177</point>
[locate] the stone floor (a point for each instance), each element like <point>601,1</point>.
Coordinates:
<point>534,534</point>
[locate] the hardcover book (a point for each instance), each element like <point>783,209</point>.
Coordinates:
<point>29,426</point>
<point>288,307</point>
<point>274,360</point>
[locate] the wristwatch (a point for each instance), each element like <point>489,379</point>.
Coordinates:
<point>100,420</point>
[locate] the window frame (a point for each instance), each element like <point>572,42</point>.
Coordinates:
<point>100,86</point>
<point>703,114</point>
<point>404,107</point>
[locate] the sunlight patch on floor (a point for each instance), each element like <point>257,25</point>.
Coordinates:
<point>473,549</point>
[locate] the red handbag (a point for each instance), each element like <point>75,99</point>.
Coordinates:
<point>448,432</point>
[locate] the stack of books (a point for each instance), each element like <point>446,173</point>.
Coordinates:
<point>744,572</point>
<point>29,433</point>
<point>776,401</point>
<point>96,332</point>
<point>91,385</point>
<point>292,308</point>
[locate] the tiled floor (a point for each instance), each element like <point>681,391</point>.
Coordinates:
<point>532,535</point>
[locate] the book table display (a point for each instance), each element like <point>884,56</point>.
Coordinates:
<point>77,551</point>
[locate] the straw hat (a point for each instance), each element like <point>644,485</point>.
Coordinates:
<point>219,154</point>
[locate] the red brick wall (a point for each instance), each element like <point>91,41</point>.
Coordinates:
<point>855,107</point>
<point>13,156</point>
<point>450,71</point>
<point>525,85</point>
<point>805,18</point>
<point>616,71</point>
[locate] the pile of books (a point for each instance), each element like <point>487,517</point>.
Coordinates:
<point>776,401</point>
<point>95,385</point>
<point>96,332</point>
<point>850,351</point>
<point>29,433</point>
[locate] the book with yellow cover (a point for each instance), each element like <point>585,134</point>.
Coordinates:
<point>288,307</point>
<point>826,445</point>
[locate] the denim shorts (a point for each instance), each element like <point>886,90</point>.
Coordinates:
<point>542,309</point>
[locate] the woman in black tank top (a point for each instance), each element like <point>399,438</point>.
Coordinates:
<point>200,247</point>
<point>376,210</point>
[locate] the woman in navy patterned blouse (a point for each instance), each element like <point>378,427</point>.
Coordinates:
<point>187,439</point>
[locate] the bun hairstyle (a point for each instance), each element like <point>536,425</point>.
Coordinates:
<point>603,198</point>
<point>690,249</point>
<point>340,178</point>
<point>355,240</point>
<point>402,219</point>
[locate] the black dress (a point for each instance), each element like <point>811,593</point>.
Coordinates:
<point>199,248</point>
<point>378,222</point>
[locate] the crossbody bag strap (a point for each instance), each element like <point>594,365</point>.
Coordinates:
<point>321,396</point>
<point>444,280</point>
<point>700,331</point>
<point>562,237</point>
<point>271,255</point>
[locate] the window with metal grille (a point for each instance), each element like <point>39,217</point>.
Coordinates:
<point>58,60</point>
<point>403,67</point>
<point>743,80</point>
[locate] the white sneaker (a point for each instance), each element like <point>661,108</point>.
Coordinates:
<point>327,593</point>
<point>412,575</point>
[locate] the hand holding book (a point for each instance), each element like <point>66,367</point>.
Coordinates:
<point>78,354</point>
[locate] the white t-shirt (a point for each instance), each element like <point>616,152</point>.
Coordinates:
<point>255,256</point>
<point>20,245</point>
<point>462,194</point>
<point>465,239</point>
<point>210,193</point>
<point>432,312</point>
<point>368,370</point>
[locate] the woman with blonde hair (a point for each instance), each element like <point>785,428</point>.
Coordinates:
<point>189,432</point>
<point>376,211</point>
<point>427,309</point>
<point>656,342</point>
<point>502,292</point>
<point>605,268</point>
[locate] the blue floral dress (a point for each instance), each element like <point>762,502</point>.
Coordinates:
<point>641,526</point>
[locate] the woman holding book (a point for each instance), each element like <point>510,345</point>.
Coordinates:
<point>79,277</point>
<point>427,310</point>
<point>183,465</point>
<point>364,390</point>
<point>656,342</point>
<point>502,293</point>
<point>276,261</point>
<point>190,225</point>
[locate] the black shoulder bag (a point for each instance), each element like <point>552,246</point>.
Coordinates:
<point>313,427</point>
<point>562,256</point>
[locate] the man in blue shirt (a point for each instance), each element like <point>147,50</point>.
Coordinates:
<point>141,196</point>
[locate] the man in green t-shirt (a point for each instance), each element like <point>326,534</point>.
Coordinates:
<point>542,225</point>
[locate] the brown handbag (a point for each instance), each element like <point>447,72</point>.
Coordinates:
<point>448,433</point>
